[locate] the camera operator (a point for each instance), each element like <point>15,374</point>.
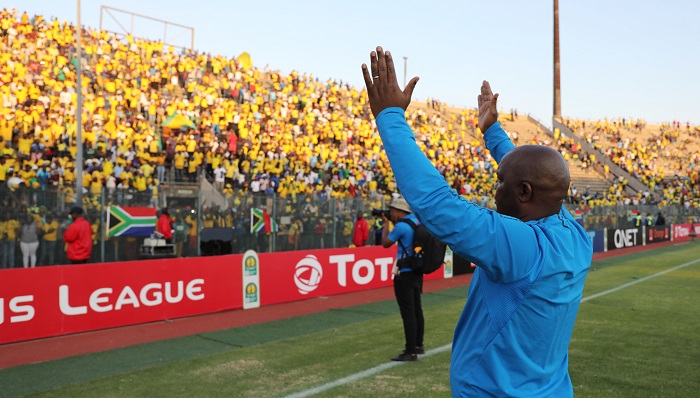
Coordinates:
<point>408,285</point>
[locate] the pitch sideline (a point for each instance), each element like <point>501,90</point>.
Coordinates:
<point>380,368</point>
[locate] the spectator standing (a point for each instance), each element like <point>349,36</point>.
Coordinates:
<point>649,219</point>
<point>164,226</point>
<point>660,220</point>
<point>29,241</point>
<point>360,231</point>
<point>181,234</point>
<point>9,244</point>
<point>219,177</point>
<point>78,237</point>
<point>192,221</point>
<point>48,243</point>
<point>378,227</point>
<point>293,234</point>
<point>3,234</point>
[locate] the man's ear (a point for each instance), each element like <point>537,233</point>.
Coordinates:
<point>525,192</point>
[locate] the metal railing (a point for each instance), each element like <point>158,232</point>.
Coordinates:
<point>317,220</point>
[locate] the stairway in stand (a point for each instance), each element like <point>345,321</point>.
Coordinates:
<point>582,178</point>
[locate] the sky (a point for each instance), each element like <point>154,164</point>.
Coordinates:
<point>620,58</point>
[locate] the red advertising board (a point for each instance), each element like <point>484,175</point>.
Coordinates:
<point>50,301</point>
<point>681,232</point>
<point>292,276</point>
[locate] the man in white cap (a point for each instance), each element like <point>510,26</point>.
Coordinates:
<point>408,285</point>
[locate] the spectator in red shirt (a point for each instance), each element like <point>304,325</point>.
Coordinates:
<point>361,234</point>
<point>78,236</point>
<point>232,143</point>
<point>164,226</point>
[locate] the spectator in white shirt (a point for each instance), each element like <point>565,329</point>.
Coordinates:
<point>219,178</point>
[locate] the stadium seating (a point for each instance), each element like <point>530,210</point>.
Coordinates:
<point>154,116</point>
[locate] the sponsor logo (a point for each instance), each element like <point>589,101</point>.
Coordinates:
<point>625,237</point>
<point>448,267</point>
<point>151,295</point>
<point>250,266</point>
<point>251,293</point>
<point>658,234</point>
<point>680,231</point>
<point>308,274</point>
<point>19,309</point>
<point>361,271</point>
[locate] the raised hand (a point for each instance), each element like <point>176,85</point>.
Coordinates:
<point>488,111</point>
<point>382,87</point>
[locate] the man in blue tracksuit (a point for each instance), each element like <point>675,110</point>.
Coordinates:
<point>532,257</point>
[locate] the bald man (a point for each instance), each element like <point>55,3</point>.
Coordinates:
<point>532,257</point>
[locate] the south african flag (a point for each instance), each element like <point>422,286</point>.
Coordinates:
<point>131,221</point>
<point>260,220</point>
<point>632,214</point>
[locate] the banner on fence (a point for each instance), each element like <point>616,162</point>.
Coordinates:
<point>681,232</point>
<point>291,276</point>
<point>625,237</point>
<point>51,301</point>
<point>131,221</point>
<point>598,239</point>
<point>658,234</point>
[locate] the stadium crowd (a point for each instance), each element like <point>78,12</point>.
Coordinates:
<point>665,160</point>
<point>257,134</point>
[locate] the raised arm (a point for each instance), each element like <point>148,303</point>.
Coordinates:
<point>489,239</point>
<point>497,142</point>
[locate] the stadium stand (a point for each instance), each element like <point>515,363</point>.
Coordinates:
<point>156,118</point>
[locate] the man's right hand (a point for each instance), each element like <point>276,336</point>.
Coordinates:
<point>488,111</point>
<point>382,85</point>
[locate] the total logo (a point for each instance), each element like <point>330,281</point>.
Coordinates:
<point>308,272</point>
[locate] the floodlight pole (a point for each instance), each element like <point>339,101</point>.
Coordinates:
<point>557,64</point>
<point>79,116</point>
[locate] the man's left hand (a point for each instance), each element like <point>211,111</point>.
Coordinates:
<point>382,87</point>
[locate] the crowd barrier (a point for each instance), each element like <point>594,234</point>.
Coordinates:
<point>619,238</point>
<point>57,300</point>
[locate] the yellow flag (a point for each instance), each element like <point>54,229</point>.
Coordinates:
<point>245,61</point>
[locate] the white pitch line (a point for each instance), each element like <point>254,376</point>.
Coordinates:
<point>380,368</point>
<point>362,375</point>
<point>628,284</point>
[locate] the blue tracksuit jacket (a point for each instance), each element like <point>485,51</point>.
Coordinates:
<point>513,336</point>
